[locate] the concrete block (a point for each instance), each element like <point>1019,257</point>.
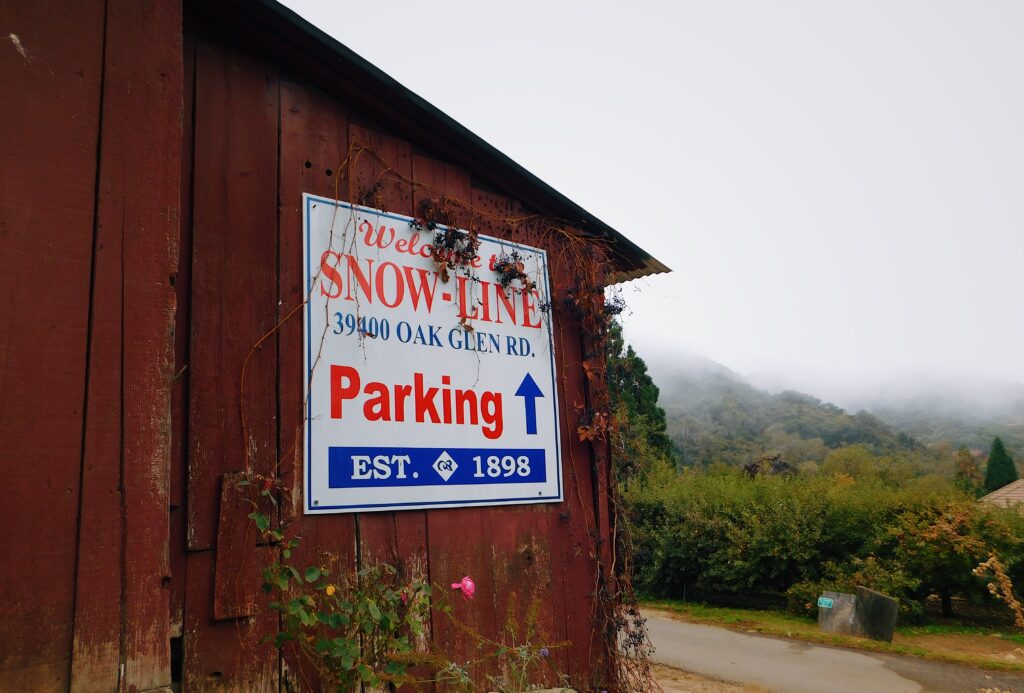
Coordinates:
<point>876,614</point>
<point>841,617</point>
<point>868,614</point>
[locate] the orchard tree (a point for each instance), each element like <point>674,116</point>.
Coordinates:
<point>968,473</point>
<point>1000,470</point>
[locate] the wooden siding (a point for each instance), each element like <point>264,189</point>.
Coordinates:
<point>150,237</point>
<point>89,228</point>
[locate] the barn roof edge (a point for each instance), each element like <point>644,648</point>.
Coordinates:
<point>346,70</point>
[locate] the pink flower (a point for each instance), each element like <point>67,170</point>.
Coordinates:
<point>467,586</point>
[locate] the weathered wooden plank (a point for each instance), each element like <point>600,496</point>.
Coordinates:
<point>568,578</point>
<point>226,655</point>
<point>183,277</point>
<point>50,74</point>
<point>459,546</point>
<point>176,552</point>
<point>575,529</point>
<point>381,169</point>
<point>96,654</point>
<point>97,643</point>
<point>234,262</point>
<point>180,386</point>
<point>520,536</point>
<point>314,145</point>
<point>139,174</point>
<point>522,574</point>
<point>568,525</point>
<point>234,589</point>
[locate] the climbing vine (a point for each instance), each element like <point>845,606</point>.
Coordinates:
<point>580,299</point>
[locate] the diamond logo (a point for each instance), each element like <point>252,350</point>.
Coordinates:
<point>445,466</point>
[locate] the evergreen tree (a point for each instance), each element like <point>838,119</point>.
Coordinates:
<point>1000,470</point>
<point>634,397</point>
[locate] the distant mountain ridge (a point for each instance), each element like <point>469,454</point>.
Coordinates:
<point>714,413</point>
<point>969,412</point>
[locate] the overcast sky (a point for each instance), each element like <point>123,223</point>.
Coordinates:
<point>838,186</point>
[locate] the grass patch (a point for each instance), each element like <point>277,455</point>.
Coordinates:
<point>940,642</point>
<point>959,629</point>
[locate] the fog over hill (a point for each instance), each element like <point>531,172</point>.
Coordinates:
<point>705,400</point>
<point>978,398</point>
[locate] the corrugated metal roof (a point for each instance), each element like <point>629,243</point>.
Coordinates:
<point>1011,494</point>
<point>269,28</point>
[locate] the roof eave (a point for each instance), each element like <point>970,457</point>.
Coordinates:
<point>338,70</point>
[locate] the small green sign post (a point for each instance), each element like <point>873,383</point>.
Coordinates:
<point>825,602</point>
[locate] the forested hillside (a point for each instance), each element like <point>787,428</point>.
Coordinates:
<point>732,492</point>
<point>712,415</point>
<point>958,428</point>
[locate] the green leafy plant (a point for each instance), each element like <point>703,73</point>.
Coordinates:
<point>369,627</point>
<point>357,628</point>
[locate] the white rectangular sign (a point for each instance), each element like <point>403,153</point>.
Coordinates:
<point>427,386</point>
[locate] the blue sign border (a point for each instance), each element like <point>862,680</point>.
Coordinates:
<point>309,199</point>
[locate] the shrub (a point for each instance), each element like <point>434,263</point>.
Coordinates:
<point>723,532</point>
<point>883,576</point>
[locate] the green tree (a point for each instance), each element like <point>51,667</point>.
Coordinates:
<point>861,463</point>
<point>1000,469</point>
<point>967,473</point>
<point>634,396</point>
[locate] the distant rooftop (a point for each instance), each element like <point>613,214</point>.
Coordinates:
<point>1011,494</point>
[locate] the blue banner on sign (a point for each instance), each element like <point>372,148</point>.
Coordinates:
<point>375,467</point>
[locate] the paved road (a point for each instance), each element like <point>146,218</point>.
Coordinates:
<point>798,667</point>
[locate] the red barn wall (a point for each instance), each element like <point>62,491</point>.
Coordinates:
<point>91,135</point>
<point>150,241</point>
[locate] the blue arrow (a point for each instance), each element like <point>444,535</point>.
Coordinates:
<point>529,391</point>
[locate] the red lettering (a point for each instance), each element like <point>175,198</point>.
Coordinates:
<point>465,402</point>
<point>401,393</point>
<point>340,393</point>
<point>491,413</point>
<point>424,400</point>
<point>332,274</point>
<point>530,308</point>
<point>383,402</point>
<point>370,240</point>
<point>465,299</point>
<point>399,284</point>
<point>485,290</point>
<point>426,251</point>
<point>378,406</point>
<point>446,398</point>
<point>362,279</point>
<point>504,300</point>
<point>423,288</point>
